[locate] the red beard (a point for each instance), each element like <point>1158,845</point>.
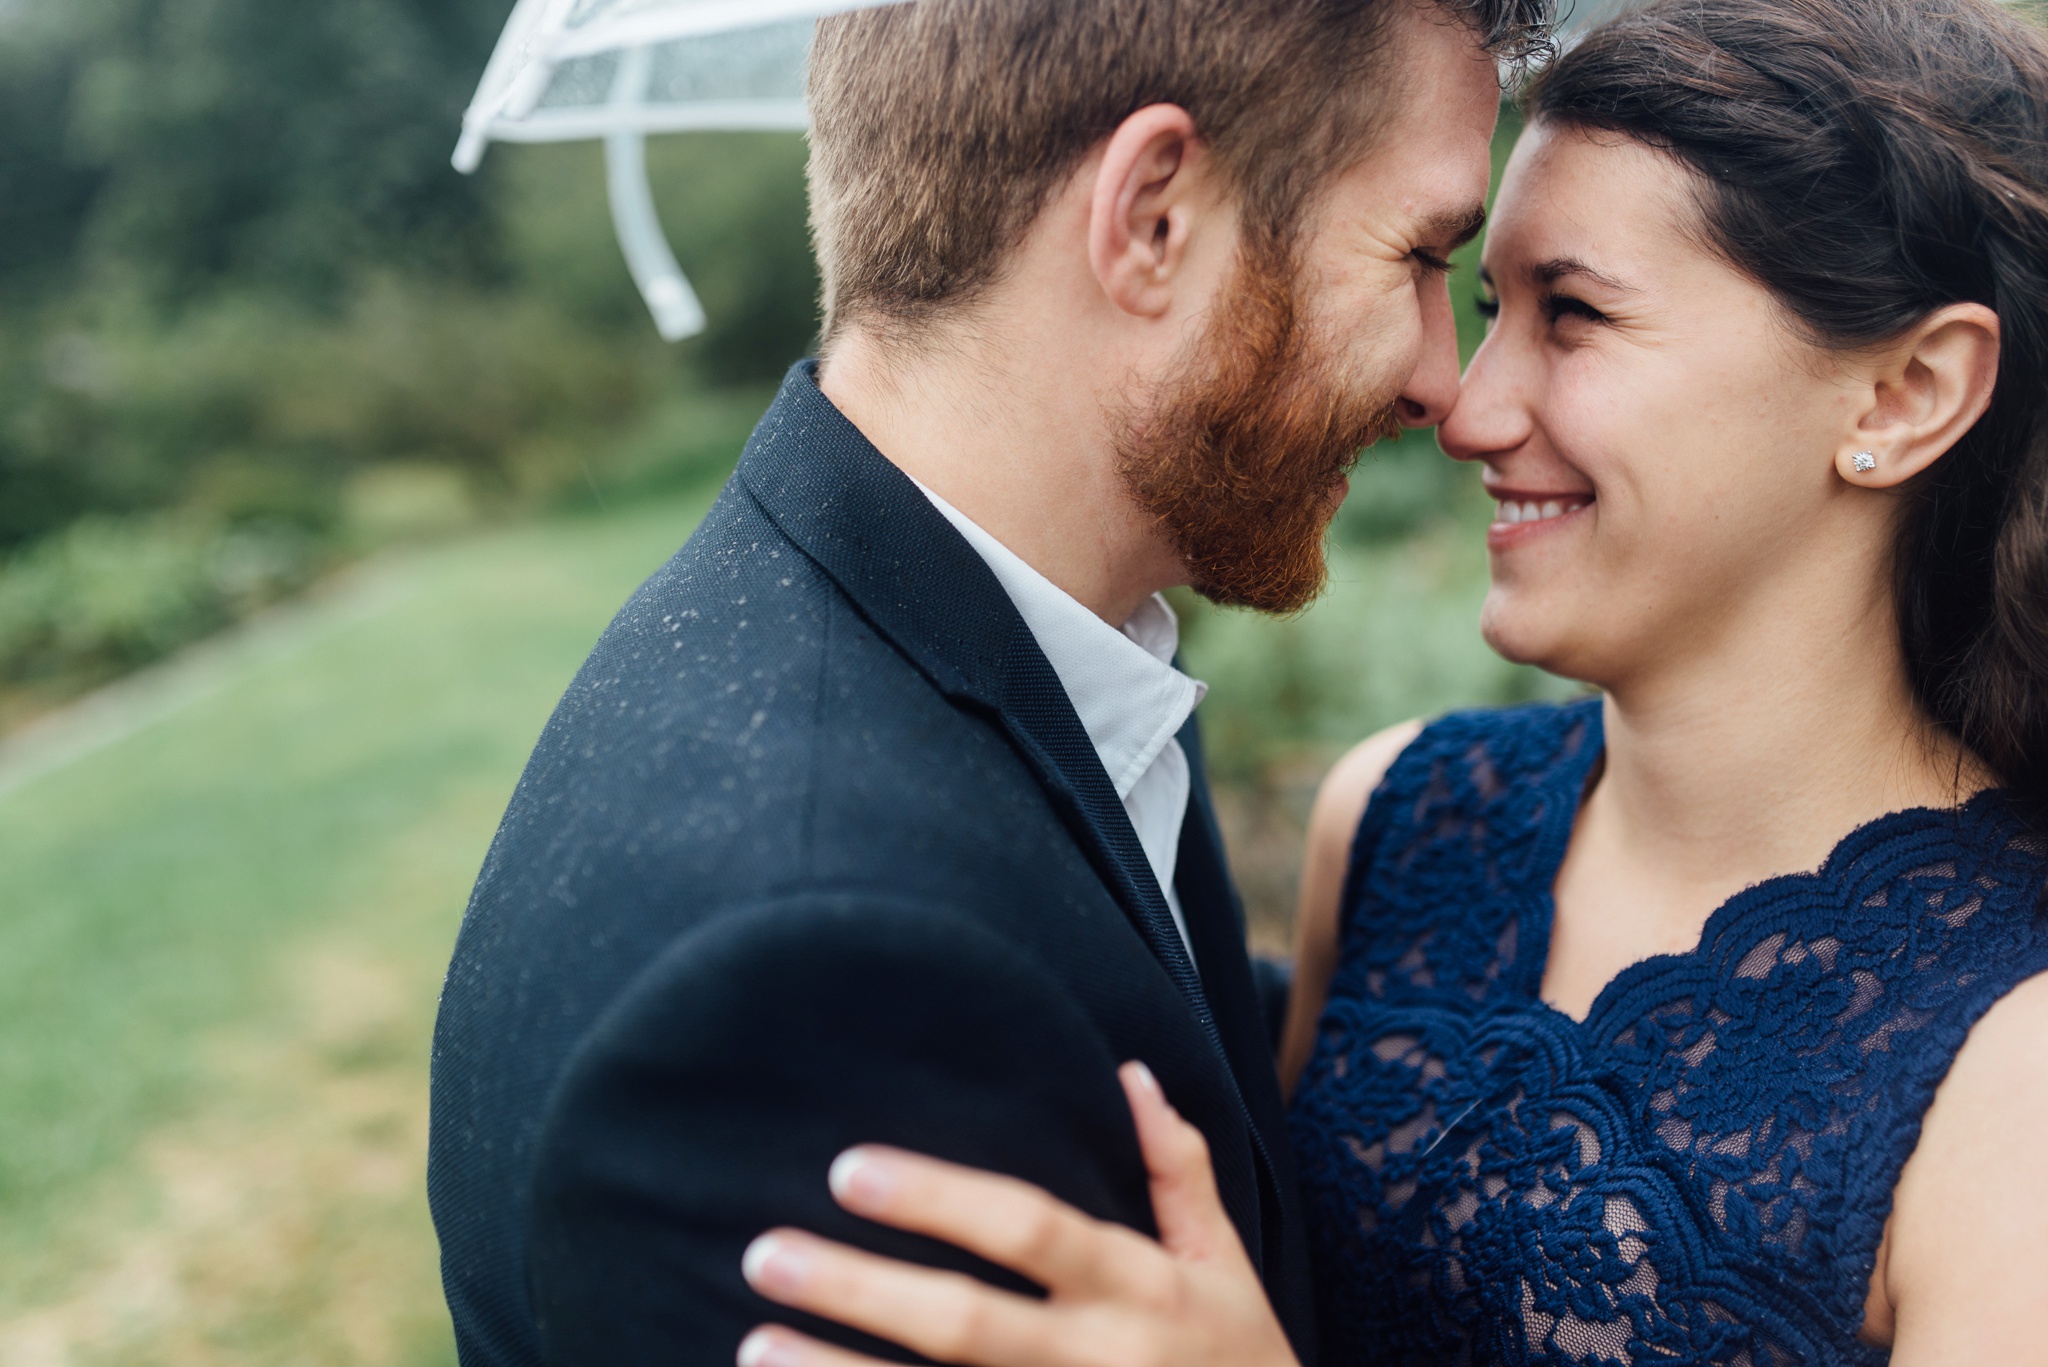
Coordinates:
<point>1243,458</point>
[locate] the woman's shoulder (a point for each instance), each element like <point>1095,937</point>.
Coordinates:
<point>1473,758</point>
<point>1351,782</point>
<point>1943,1290</point>
<point>1471,808</point>
<point>1393,779</point>
<point>1477,755</point>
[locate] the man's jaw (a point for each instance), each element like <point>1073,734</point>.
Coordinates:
<point>1339,491</point>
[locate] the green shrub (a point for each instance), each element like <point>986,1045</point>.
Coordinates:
<point>109,594</point>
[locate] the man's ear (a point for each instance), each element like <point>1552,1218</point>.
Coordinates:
<point>1927,391</point>
<point>1146,202</point>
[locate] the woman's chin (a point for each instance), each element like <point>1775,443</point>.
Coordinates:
<point>1519,633</point>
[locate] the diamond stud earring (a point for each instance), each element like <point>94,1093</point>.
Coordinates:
<point>1865,462</point>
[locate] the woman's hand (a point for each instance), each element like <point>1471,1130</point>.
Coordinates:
<point>1116,1298</point>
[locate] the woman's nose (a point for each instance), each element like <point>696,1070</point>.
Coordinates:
<point>1432,391</point>
<point>1487,419</point>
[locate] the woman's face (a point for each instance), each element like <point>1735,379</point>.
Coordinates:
<point>1661,442</point>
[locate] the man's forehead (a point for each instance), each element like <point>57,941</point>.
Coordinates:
<point>1439,134</point>
<point>1439,189</point>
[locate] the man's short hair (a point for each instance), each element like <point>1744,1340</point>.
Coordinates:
<point>941,127</point>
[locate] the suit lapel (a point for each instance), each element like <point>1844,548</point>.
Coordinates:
<point>1041,719</point>
<point>912,575</point>
<point>921,585</point>
<point>1216,926</point>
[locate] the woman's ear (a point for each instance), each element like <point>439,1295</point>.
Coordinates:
<point>1147,199</point>
<point>1927,391</point>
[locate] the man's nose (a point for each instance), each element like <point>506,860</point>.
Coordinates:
<point>1432,391</point>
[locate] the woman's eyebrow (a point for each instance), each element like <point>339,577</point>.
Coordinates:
<point>1564,267</point>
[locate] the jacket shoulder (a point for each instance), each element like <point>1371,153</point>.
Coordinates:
<point>706,1105</point>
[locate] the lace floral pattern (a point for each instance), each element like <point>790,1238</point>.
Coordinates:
<point>1699,1172</point>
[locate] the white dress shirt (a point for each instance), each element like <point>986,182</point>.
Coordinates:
<point>1130,698</point>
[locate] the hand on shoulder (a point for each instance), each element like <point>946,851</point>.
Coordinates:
<point>1963,1273</point>
<point>1191,1298</point>
<point>1332,826</point>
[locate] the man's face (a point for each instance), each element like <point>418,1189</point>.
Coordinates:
<point>1316,351</point>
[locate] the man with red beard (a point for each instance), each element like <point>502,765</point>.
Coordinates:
<point>878,814</point>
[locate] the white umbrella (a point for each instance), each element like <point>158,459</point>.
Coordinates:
<point>570,70</point>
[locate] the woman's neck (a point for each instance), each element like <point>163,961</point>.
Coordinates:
<point>1750,759</point>
<point>1764,773</point>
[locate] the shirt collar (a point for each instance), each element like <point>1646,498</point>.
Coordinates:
<point>1123,685</point>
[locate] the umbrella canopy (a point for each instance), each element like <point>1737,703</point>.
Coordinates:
<point>618,70</point>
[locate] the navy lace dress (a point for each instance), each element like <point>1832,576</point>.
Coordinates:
<point>1698,1173</point>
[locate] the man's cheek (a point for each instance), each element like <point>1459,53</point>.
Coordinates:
<point>1376,363</point>
<point>1380,336</point>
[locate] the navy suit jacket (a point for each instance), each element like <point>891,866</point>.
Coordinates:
<point>816,852</point>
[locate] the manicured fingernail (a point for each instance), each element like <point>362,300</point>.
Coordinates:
<point>862,1181</point>
<point>766,1348</point>
<point>1145,1078</point>
<point>773,1264</point>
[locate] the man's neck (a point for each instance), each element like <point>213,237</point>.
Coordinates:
<point>1025,451</point>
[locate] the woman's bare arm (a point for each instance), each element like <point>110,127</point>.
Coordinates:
<point>1340,806</point>
<point>1963,1275</point>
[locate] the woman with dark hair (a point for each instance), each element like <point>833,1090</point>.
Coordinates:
<point>1705,1021</point>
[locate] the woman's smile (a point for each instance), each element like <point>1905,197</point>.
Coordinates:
<point>1523,514</point>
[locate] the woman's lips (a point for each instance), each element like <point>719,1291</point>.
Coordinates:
<point>1522,516</point>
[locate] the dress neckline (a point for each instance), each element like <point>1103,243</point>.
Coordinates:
<point>1568,782</point>
<point>1698,1171</point>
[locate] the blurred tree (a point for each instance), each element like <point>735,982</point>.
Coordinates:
<point>44,193</point>
<point>236,266</point>
<point>736,206</point>
<point>277,146</point>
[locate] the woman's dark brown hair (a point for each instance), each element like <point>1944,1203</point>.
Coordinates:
<point>1869,162</point>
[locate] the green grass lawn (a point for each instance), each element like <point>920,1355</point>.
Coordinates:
<point>229,893</point>
<point>220,942</point>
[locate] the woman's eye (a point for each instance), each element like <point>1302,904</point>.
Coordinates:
<point>1560,306</point>
<point>1487,305</point>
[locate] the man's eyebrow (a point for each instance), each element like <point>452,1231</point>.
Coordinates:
<point>1455,227</point>
<point>1563,267</point>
